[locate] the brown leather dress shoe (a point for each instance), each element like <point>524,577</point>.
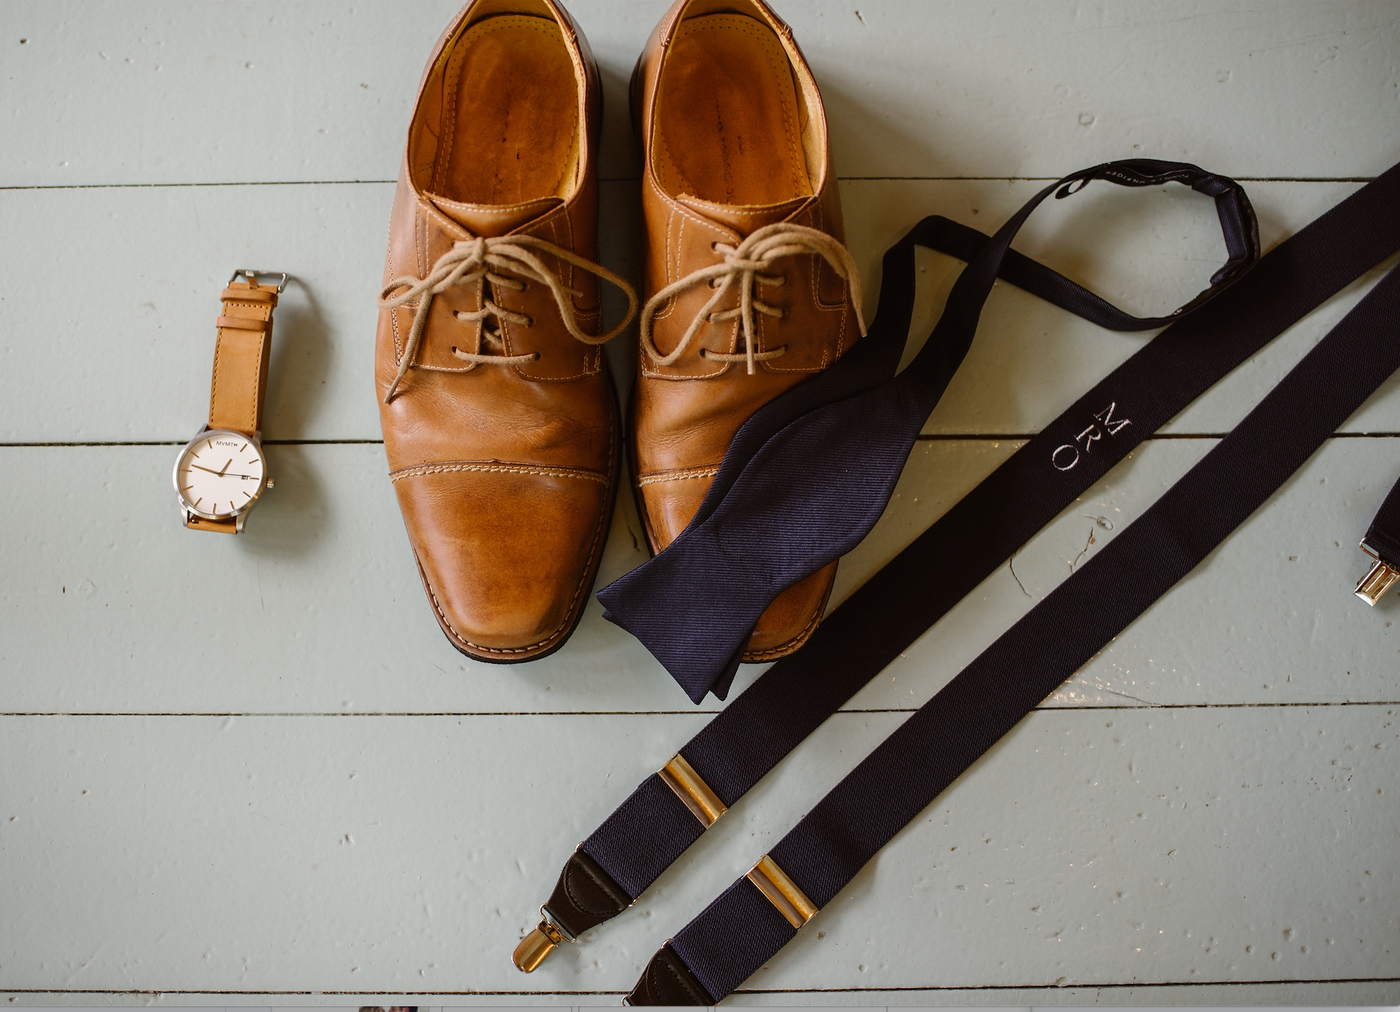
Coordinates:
<point>499,416</point>
<point>750,290</point>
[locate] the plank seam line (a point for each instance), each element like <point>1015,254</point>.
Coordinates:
<point>658,713</point>
<point>941,437</point>
<point>37,990</point>
<point>1070,987</point>
<point>637,179</point>
<point>812,990</point>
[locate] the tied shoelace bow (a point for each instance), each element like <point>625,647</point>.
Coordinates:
<point>473,260</point>
<point>745,265</point>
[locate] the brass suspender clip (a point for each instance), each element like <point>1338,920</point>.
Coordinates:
<point>538,944</point>
<point>1380,579</point>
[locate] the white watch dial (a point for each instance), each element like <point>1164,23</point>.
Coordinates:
<point>220,474</point>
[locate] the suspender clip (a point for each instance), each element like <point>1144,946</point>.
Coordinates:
<point>535,947</point>
<point>1380,579</point>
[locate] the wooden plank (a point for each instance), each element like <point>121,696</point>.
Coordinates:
<point>147,93</point>
<point>320,610</point>
<point>129,358</point>
<point>396,854</point>
<point>336,801</point>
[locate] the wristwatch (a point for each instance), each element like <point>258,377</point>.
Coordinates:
<point>221,473</point>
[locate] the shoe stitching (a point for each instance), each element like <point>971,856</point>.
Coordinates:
<point>681,212</point>
<point>822,307</point>
<point>496,467</point>
<point>677,474</point>
<point>783,649</point>
<point>394,323</point>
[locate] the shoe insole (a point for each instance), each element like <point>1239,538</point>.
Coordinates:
<point>727,115</point>
<point>510,118</point>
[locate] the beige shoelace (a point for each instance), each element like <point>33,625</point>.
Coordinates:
<point>472,260</point>
<point>745,265</point>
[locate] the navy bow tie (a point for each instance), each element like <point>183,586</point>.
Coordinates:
<point>808,475</point>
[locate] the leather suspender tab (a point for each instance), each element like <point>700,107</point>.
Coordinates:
<point>585,896</point>
<point>668,981</point>
<point>694,793</point>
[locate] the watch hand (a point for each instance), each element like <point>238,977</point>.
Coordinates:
<point>221,470</point>
<point>222,475</point>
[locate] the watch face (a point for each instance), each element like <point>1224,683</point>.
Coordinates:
<point>220,474</point>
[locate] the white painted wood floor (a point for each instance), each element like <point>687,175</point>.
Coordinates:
<point>329,801</point>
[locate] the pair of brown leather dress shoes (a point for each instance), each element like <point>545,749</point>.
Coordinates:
<point>500,419</point>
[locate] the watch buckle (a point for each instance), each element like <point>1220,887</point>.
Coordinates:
<point>253,276</point>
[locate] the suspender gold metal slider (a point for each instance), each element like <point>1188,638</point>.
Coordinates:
<point>535,947</point>
<point>1380,579</point>
<point>694,793</point>
<point>782,892</point>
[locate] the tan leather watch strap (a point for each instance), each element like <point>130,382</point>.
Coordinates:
<point>240,358</point>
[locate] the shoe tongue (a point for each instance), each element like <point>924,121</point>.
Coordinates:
<point>492,220</point>
<point>743,218</point>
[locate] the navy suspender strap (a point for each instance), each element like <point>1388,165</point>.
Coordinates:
<point>670,810</point>
<point>761,912</point>
<point>1382,543</point>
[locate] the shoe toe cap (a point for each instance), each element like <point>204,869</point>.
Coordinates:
<point>505,551</point>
